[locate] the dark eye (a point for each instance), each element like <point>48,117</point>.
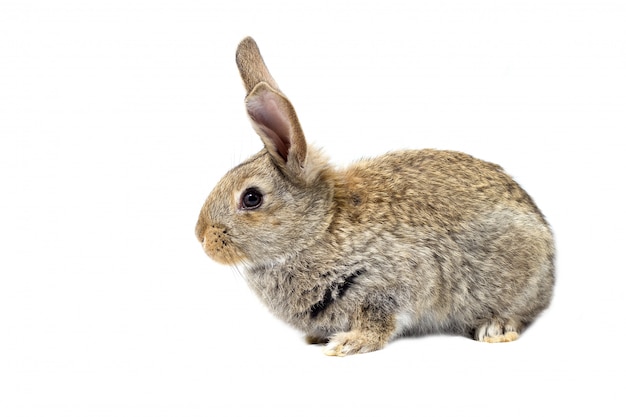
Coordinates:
<point>251,199</point>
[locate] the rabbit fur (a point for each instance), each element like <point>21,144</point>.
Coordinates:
<point>411,242</point>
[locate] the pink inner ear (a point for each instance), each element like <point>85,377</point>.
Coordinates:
<point>266,112</point>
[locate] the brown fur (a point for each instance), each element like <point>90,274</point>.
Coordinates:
<point>409,242</point>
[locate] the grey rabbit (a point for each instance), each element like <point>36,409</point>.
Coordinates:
<point>411,242</point>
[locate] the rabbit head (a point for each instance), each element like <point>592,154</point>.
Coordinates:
<point>276,201</point>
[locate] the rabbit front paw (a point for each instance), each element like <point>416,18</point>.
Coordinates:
<point>352,342</point>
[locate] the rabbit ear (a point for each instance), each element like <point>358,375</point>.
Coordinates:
<point>252,67</point>
<point>275,120</point>
<point>272,115</point>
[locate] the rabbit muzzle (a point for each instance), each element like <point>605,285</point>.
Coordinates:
<point>217,244</point>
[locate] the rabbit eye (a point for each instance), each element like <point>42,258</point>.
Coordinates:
<point>251,199</point>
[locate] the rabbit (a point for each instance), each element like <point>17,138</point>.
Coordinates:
<point>413,242</point>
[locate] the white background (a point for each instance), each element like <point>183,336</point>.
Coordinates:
<point>118,117</point>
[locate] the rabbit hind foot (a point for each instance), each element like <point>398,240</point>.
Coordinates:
<point>497,331</point>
